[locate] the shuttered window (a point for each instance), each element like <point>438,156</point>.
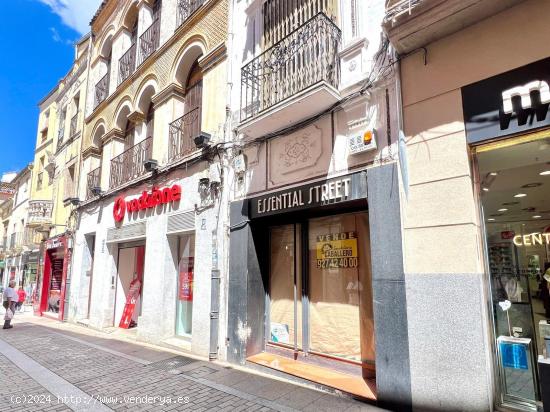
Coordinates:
<point>282,17</point>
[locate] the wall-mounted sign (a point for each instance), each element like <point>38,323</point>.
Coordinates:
<point>54,243</point>
<point>512,102</point>
<point>337,250</point>
<point>146,201</point>
<point>532,239</point>
<point>7,190</point>
<point>362,142</point>
<point>332,191</point>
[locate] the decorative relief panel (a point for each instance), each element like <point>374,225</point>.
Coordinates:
<point>301,155</point>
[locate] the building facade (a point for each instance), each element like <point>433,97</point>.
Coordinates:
<point>315,235</point>
<point>146,248</point>
<point>474,83</point>
<point>56,176</point>
<point>22,243</point>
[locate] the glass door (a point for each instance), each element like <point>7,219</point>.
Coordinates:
<point>285,285</point>
<point>184,303</point>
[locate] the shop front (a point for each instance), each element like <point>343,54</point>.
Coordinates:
<point>50,297</point>
<point>508,128</point>
<point>310,283</point>
<point>135,265</point>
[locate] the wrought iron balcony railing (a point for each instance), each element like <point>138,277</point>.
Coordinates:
<point>308,55</point>
<point>182,133</point>
<point>129,164</point>
<point>74,124</point>
<point>93,179</point>
<point>149,40</point>
<point>40,212</point>
<point>102,89</point>
<point>127,64</point>
<point>186,8</point>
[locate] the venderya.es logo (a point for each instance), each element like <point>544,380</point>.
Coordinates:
<point>145,201</point>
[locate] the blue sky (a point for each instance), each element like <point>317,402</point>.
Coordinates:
<point>37,51</point>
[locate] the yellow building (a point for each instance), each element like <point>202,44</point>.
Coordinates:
<point>156,119</point>
<point>55,180</point>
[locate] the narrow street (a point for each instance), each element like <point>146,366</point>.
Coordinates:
<point>48,366</point>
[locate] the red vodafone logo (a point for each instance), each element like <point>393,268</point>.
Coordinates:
<point>146,201</point>
<point>119,209</point>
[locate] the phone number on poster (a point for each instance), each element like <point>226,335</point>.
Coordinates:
<point>350,262</point>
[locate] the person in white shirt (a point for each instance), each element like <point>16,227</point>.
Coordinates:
<point>10,299</point>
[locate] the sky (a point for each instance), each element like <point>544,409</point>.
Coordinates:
<point>38,49</point>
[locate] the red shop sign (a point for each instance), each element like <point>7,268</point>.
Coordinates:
<point>146,201</point>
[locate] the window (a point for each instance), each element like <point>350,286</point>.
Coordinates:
<point>69,182</point>
<point>39,180</point>
<point>184,302</point>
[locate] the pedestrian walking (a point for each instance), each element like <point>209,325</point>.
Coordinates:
<point>22,297</point>
<point>10,299</point>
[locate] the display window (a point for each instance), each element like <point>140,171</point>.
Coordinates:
<point>129,288</point>
<point>320,288</point>
<point>185,284</point>
<point>514,182</point>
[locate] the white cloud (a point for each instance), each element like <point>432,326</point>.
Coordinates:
<point>74,13</point>
<point>55,34</point>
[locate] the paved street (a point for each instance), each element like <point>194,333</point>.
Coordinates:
<point>47,366</point>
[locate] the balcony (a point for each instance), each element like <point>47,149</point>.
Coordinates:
<point>129,164</point>
<point>74,123</point>
<point>296,78</point>
<point>40,212</point>
<point>149,41</point>
<point>185,9</point>
<point>102,89</point>
<point>93,179</point>
<point>411,24</point>
<point>182,133</point>
<point>127,64</point>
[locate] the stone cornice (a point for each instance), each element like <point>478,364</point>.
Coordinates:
<point>113,134</point>
<point>216,55</point>
<point>173,90</point>
<point>136,117</point>
<point>91,151</point>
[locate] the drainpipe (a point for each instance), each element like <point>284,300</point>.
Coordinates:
<point>220,235</point>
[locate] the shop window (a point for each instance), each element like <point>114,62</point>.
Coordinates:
<point>129,287</point>
<point>184,302</point>
<point>513,181</point>
<point>321,291</point>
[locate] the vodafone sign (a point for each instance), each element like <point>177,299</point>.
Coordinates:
<point>146,201</point>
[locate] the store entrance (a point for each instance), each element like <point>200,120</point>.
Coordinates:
<point>131,259</point>
<point>320,291</point>
<point>514,178</point>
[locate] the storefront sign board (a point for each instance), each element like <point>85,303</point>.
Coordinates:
<point>513,102</point>
<point>145,201</point>
<point>327,192</point>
